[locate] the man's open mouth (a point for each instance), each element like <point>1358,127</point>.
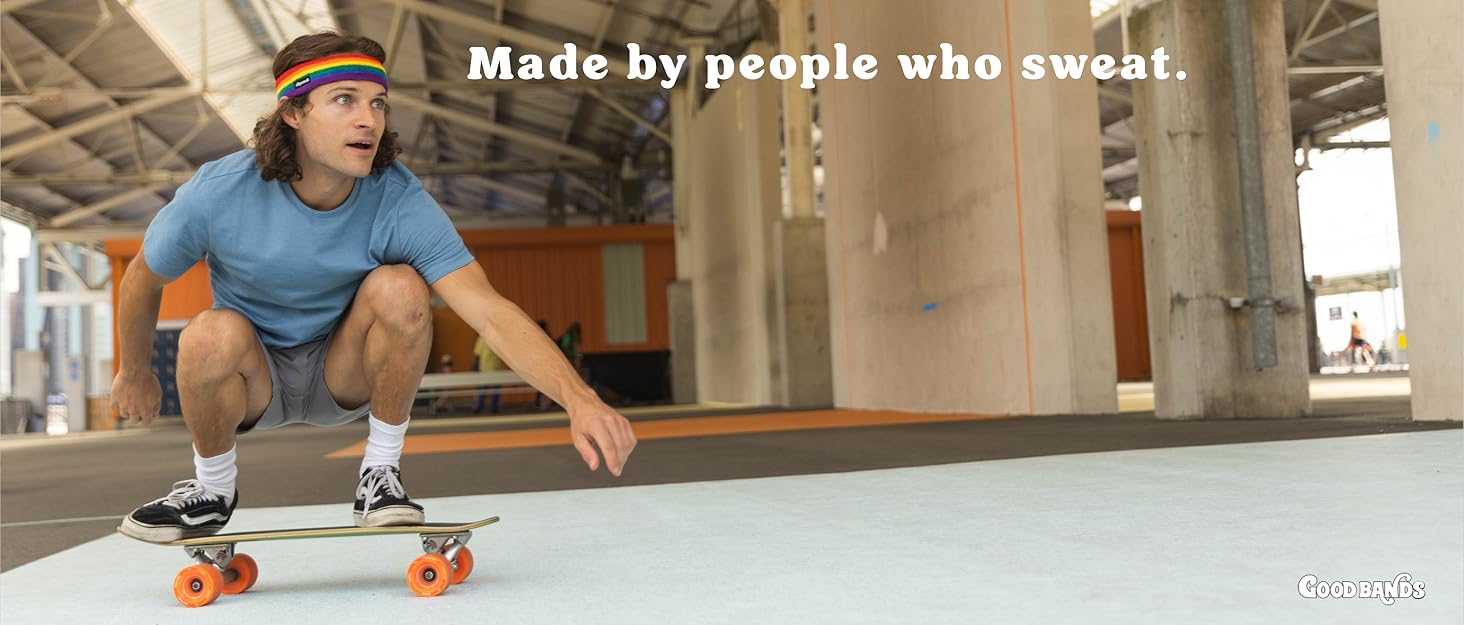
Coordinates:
<point>361,145</point>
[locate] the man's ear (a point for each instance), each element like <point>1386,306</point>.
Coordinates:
<point>291,115</point>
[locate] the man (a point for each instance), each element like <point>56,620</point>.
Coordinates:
<point>1359,342</point>
<point>323,252</point>
<point>569,344</point>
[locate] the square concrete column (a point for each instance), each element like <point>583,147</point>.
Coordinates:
<point>1194,251</point>
<point>733,209</point>
<point>1423,59</point>
<point>803,313</point>
<point>683,342</point>
<point>967,246</point>
<point>682,313</point>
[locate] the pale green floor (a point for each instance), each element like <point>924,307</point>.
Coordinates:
<point>1217,534</point>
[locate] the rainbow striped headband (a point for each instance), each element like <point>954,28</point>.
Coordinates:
<point>302,78</point>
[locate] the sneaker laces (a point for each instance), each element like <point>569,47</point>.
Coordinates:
<point>382,477</point>
<point>185,493</point>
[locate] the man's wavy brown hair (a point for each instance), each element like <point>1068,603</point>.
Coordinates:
<point>274,140</point>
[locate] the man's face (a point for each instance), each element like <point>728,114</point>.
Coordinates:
<point>341,128</point>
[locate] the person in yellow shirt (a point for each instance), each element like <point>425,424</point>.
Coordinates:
<point>485,360</point>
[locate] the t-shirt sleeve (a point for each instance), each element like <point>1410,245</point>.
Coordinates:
<point>426,240</point>
<point>178,235</point>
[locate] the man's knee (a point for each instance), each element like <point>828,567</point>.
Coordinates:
<point>399,297</point>
<point>215,342</point>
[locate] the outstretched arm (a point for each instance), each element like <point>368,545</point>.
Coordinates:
<point>525,348</point>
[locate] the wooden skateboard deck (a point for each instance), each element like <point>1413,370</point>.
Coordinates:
<point>327,532</point>
<point>222,571</point>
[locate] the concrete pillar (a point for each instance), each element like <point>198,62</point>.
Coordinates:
<point>1423,59</point>
<point>32,271</point>
<point>77,332</point>
<point>801,271</point>
<point>78,346</point>
<point>803,313</point>
<point>679,293</point>
<point>1194,255</point>
<point>797,110</point>
<point>967,246</point>
<point>683,341</point>
<point>733,210</point>
<point>5,318</point>
<point>682,109</point>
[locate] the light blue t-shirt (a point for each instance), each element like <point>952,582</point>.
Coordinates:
<point>290,269</point>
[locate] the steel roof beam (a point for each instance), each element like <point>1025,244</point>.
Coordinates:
<point>22,148</point>
<point>472,121</point>
<point>522,39</point>
<point>121,199</point>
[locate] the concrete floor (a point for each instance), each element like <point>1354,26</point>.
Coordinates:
<point>1048,519</point>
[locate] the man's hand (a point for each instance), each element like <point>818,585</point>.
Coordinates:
<point>599,426</point>
<point>137,397</point>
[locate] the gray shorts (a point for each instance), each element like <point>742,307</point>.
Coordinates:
<point>300,395</point>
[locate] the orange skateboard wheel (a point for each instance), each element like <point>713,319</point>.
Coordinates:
<point>198,585</point>
<point>246,572</point>
<point>429,575</point>
<point>463,566</point>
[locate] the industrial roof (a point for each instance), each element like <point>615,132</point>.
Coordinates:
<point>108,105</point>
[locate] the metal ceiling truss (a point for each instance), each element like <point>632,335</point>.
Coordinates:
<point>564,159</point>
<point>16,152</point>
<point>1120,175</point>
<point>432,14</point>
<point>145,100</point>
<point>84,292</point>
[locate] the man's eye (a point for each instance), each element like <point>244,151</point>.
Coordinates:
<point>343,99</point>
<point>380,104</point>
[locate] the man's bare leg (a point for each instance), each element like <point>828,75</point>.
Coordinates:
<point>223,380</point>
<point>380,349</point>
<point>378,354</point>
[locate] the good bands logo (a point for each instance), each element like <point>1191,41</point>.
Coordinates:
<point>1401,587</point>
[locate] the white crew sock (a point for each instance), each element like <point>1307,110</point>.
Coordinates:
<point>384,444</point>
<point>217,474</point>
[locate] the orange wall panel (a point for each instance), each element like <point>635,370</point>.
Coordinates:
<point>187,296</point>
<point>1130,311</point>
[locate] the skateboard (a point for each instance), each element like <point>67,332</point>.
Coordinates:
<point>222,571</point>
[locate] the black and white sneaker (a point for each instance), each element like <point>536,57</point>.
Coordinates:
<point>381,500</point>
<point>187,512</point>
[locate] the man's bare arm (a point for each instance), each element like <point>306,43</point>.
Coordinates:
<point>511,334</point>
<point>136,394</point>
<point>525,348</point>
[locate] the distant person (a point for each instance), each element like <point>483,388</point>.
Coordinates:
<point>485,360</point>
<point>539,400</point>
<point>1359,343</point>
<point>569,344</point>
